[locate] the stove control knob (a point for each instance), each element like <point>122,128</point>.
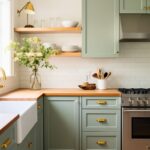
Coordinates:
<point>145,102</point>
<point>138,101</point>
<point>131,101</point>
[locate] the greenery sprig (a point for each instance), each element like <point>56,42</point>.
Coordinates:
<point>32,53</point>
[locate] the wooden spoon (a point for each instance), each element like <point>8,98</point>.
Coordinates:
<point>95,75</point>
<point>105,75</point>
<point>108,75</point>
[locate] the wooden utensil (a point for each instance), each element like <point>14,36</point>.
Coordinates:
<point>109,74</point>
<point>95,75</point>
<point>105,75</point>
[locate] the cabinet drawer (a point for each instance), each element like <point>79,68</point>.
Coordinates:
<point>100,120</point>
<point>8,138</point>
<point>101,102</point>
<point>100,141</point>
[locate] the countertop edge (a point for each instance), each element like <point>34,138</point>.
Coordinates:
<point>9,124</point>
<point>18,94</point>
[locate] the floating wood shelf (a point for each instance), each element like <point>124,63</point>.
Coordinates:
<point>48,30</point>
<point>69,54</point>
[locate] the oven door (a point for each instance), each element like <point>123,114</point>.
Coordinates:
<point>135,129</point>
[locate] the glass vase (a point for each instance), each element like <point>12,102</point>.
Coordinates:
<point>35,80</point>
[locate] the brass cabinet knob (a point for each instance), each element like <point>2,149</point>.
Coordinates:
<point>39,106</point>
<point>30,145</point>
<point>101,102</point>
<point>101,142</point>
<point>6,143</point>
<point>102,120</point>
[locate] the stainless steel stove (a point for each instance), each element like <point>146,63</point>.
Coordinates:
<point>135,97</point>
<point>135,119</point>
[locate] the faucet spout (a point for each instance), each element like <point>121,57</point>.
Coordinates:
<point>3,76</point>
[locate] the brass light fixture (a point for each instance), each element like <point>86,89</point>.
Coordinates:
<point>29,10</point>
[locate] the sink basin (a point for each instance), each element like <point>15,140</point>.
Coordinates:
<point>27,111</point>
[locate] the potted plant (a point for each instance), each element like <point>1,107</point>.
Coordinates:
<point>31,53</point>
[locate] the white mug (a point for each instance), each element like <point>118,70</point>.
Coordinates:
<point>101,84</point>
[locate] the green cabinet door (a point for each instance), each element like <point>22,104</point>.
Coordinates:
<point>29,142</point>
<point>100,28</point>
<point>61,123</point>
<point>8,138</point>
<point>133,6</point>
<point>39,125</point>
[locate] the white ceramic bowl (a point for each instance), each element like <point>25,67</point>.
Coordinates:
<point>70,48</point>
<point>69,23</point>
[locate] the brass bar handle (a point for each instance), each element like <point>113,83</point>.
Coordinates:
<point>145,8</point>
<point>6,143</point>
<point>101,102</point>
<point>30,145</point>
<point>101,142</point>
<point>102,120</point>
<point>39,106</point>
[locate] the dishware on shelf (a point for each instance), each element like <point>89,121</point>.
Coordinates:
<point>69,23</point>
<point>70,48</point>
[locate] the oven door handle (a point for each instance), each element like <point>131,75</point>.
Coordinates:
<point>135,110</point>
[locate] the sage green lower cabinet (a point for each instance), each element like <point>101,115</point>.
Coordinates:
<point>101,141</point>
<point>61,123</point>
<point>8,137</point>
<point>39,125</point>
<point>100,120</point>
<point>29,143</point>
<point>100,28</point>
<point>101,123</point>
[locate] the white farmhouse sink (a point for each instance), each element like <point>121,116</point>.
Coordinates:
<point>27,111</point>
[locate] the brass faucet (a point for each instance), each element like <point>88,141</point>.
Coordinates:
<point>3,76</point>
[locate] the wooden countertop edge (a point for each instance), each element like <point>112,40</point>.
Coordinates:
<point>18,93</point>
<point>9,124</point>
<point>82,94</point>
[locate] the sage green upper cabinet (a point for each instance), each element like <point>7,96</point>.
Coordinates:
<point>61,123</point>
<point>134,6</point>
<point>100,28</point>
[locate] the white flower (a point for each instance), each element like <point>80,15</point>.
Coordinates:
<point>30,54</point>
<point>39,54</point>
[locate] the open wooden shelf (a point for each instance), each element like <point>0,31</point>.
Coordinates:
<point>48,30</point>
<point>69,54</point>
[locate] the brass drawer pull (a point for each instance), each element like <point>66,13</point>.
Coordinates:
<point>30,145</point>
<point>101,142</point>
<point>39,106</point>
<point>6,143</point>
<point>101,102</point>
<point>145,8</point>
<point>101,120</point>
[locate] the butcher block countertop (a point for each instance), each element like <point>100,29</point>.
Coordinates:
<point>6,120</point>
<point>28,94</point>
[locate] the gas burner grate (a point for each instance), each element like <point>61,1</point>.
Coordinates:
<point>134,90</point>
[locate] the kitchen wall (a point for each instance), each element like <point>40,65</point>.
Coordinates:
<point>131,69</point>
